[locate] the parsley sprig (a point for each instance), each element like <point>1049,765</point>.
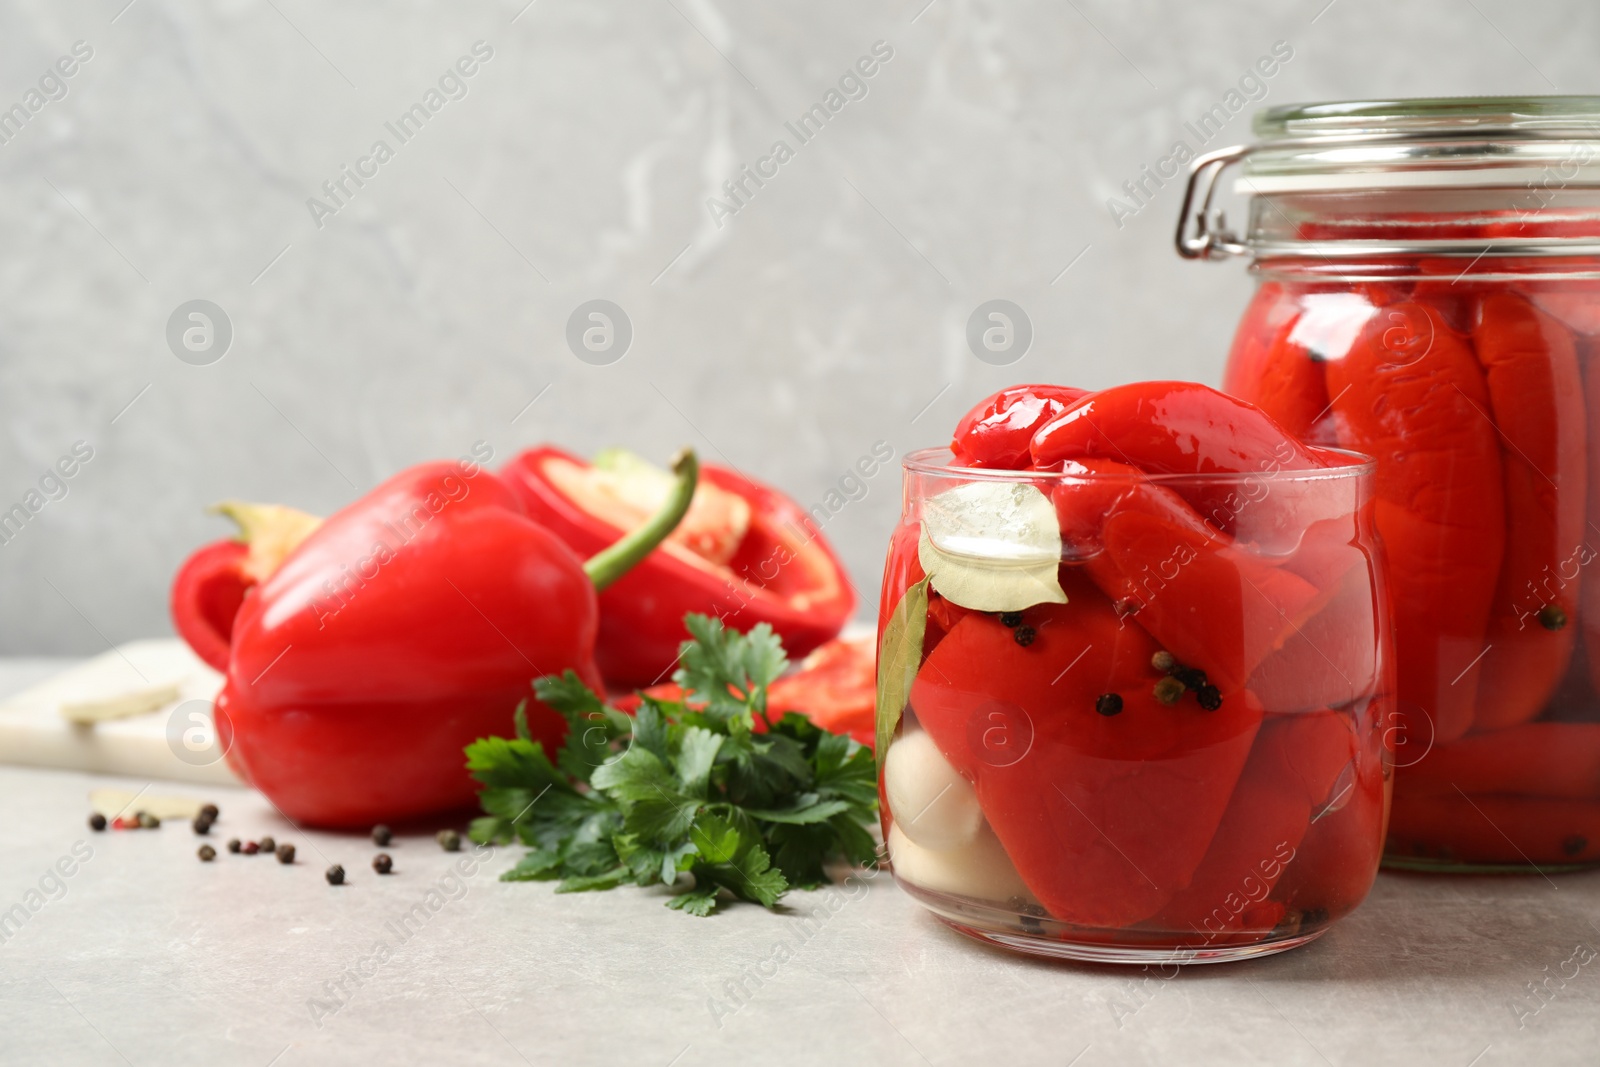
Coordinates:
<point>682,787</point>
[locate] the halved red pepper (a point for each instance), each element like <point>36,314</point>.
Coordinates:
<point>998,430</point>
<point>212,583</point>
<point>781,572</point>
<point>1105,816</point>
<point>1412,392</point>
<point>409,624</point>
<point>1536,398</point>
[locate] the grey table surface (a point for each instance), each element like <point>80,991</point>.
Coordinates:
<point>143,955</point>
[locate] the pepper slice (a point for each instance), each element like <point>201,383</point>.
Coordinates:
<point>1210,603</point>
<point>1105,813</point>
<point>1536,397</point>
<point>1410,389</point>
<point>781,572</point>
<point>1291,775</point>
<point>997,431</point>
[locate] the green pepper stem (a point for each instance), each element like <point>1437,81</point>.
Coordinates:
<point>611,563</point>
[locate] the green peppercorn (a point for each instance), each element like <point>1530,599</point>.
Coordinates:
<point>201,824</point>
<point>382,835</point>
<point>382,863</point>
<point>267,844</point>
<point>1209,696</point>
<point>1169,691</point>
<point>449,840</point>
<point>1012,619</point>
<point>335,875</point>
<point>233,844</point>
<point>97,822</point>
<point>148,821</point>
<point>1108,704</point>
<point>1025,635</point>
<point>206,853</point>
<point>1551,617</point>
<point>285,853</point>
<point>1163,661</point>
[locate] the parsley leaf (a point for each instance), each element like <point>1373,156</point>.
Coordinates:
<point>707,790</point>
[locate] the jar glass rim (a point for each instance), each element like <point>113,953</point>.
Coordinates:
<point>940,462</point>
<point>1477,114</point>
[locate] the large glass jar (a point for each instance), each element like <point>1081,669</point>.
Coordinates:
<point>1142,738</point>
<point>1429,294</point>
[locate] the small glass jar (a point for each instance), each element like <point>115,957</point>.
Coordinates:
<point>1429,294</point>
<point>1111,731</point>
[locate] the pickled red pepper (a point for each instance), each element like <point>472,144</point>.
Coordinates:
<point>1116,743</point>
<point>1455,385</point>
<point>1411,387</point>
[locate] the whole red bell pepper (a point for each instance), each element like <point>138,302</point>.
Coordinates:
<point>781,571</point>
<point>407,625</point>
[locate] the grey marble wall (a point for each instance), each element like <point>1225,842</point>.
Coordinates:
<point>784,332</point>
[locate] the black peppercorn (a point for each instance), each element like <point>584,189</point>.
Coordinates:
<point>286,853</point>
<point>382,835</point>
<point>1108,704</point>
<point>97,822</point>
<point>1169,691</point>
<point>382,863</point>
<point>335,875</point>
<point>1574,844</point>
<point>233,844</point>
<point>449,840</point>
<point>1013,619</point>
<point>210,811</point>
<point>267,844</point>
<point>1025,635</point>
<point>206,853</point>
<point>1210,697</point>
<point>1552,617</point>
<point>201,824</point>
<point>1192,677</point>
<point>1163,661</point>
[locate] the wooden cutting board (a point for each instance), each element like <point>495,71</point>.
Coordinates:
<point>142,710</point>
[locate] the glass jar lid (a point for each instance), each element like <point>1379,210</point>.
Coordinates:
<point>1359,146</point>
